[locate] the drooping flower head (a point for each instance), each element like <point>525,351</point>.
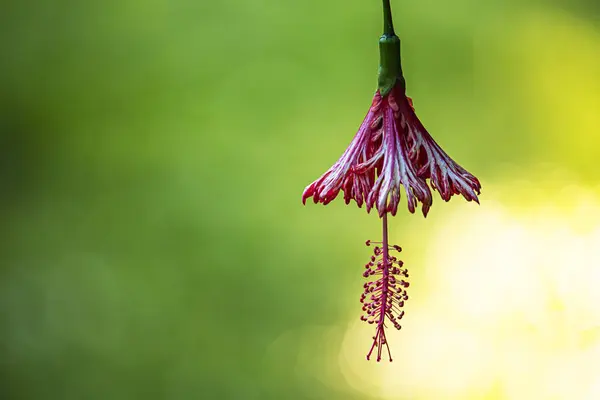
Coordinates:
<point>391,153</point>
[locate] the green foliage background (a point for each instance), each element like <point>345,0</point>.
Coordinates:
<point>153,154</point>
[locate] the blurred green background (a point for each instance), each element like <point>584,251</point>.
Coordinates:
<point>154,246</point>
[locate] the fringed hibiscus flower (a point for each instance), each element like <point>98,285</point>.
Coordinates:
<point>390,153</point>
<point>391,150</point>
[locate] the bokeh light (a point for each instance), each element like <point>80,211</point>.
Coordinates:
<point>511,308</point>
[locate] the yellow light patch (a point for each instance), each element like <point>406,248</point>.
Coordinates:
<point>510,310</point>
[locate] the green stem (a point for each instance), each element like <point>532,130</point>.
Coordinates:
<point>390,69</point>
<point>388,24</point>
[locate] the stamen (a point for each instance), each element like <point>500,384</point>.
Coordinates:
<point>383,297</point>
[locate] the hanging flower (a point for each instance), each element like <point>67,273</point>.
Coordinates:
<point>391,152</point>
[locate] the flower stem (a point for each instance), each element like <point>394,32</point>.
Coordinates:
<point>390,69</point>
<point>388,24</point>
